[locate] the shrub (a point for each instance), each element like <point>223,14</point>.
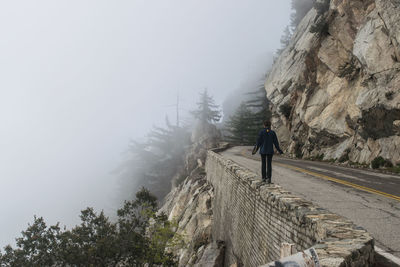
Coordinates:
<point>137,237</point>
<point>395,169</point>
<point>381,162</point>
<point>358,164</point>
<point>388,164</point>
<point>377,162</point>
<point>321,26</point>
<point>318,157</point>
<point>285,109</point>
<point>389,95</point>
<point>297,150</point>
<point>344,158</point>
<point>322,6</point>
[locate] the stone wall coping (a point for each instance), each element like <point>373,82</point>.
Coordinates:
<point>339,242</point>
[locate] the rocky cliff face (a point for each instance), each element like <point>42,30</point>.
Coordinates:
<point>189,204</point>
<point>337,92</point>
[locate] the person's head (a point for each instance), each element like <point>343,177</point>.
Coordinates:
<point>267,123</point>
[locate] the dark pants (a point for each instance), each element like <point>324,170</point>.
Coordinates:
<point>266,166</point>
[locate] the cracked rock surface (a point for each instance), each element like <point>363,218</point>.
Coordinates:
<point>189,205</point>
<point>343,85</point>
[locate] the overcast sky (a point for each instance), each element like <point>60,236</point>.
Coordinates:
<point>80,78</point>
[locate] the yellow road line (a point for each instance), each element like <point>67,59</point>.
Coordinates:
<point>339,181</point>
<point>325,177</point>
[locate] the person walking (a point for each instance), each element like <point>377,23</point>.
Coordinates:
<point>265,142</point>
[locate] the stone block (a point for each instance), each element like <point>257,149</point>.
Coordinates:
<point>254,220</point>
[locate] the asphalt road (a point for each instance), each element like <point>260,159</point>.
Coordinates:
<point>371,200</point>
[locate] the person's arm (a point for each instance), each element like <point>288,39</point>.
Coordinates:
<point>258,144</point>
<point>276,143</point>
<point>259,139</point>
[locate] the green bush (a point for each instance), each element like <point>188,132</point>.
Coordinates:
<point>137,237</point>
<point>358,164</point>
<point>321,26</point>
<point>377,162</point>
<point>286,109</point>
<point>318,157</point>
<point>389,95</point>
<point>395,169</point>
<point>322,6</point>
<point>381,162</point>
<point>298,150</point>
<point>388,164</point>
<point>344,158</point>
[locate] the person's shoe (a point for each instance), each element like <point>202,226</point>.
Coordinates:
<point>269,181</point>
<point>264,180</point>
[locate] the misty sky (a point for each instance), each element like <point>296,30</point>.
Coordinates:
<point>79,79</point>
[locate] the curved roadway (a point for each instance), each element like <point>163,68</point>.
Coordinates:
<point>369,199</point>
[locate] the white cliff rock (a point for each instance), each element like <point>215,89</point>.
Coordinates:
<point>372,45</point>
<point>189,205</point>
<point>343,85</point>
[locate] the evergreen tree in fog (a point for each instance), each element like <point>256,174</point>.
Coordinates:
<point>207,111</point>
<point>285,40</point>
<point>139,237</point>
<point>154,162</point>
<point>159,161</point>
<point>259,104</point>
<point>300,9</point>
<point>242,127</point>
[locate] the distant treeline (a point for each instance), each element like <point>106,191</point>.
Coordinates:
<point>160,159</point>
<point>243,126</point>
<point>300,8</point>
<point>139,236</point>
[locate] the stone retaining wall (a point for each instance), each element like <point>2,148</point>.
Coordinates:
<point>254,219</point>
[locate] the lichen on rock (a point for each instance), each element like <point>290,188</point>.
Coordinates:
<point>342,86</point>
<point>189,204</point>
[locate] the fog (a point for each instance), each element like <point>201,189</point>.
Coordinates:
<point>80,79</point>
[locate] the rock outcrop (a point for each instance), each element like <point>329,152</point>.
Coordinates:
<point>336,93</point>
<point>190,206</point>
<point>204,137</point>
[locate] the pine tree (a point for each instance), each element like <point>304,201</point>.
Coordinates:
<point>207,111</point>
<point>139,237</point>
<point>300,9</point>
<point>321,25</point>
<point>154,162</point>
<point>285,40</point>
<point>164,155</point>
<point>259,105</point>
<point>243,127</point>
<point>240,127</point>
<point>322,6</point>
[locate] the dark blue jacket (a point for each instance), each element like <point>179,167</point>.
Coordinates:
<point>266,139</point>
